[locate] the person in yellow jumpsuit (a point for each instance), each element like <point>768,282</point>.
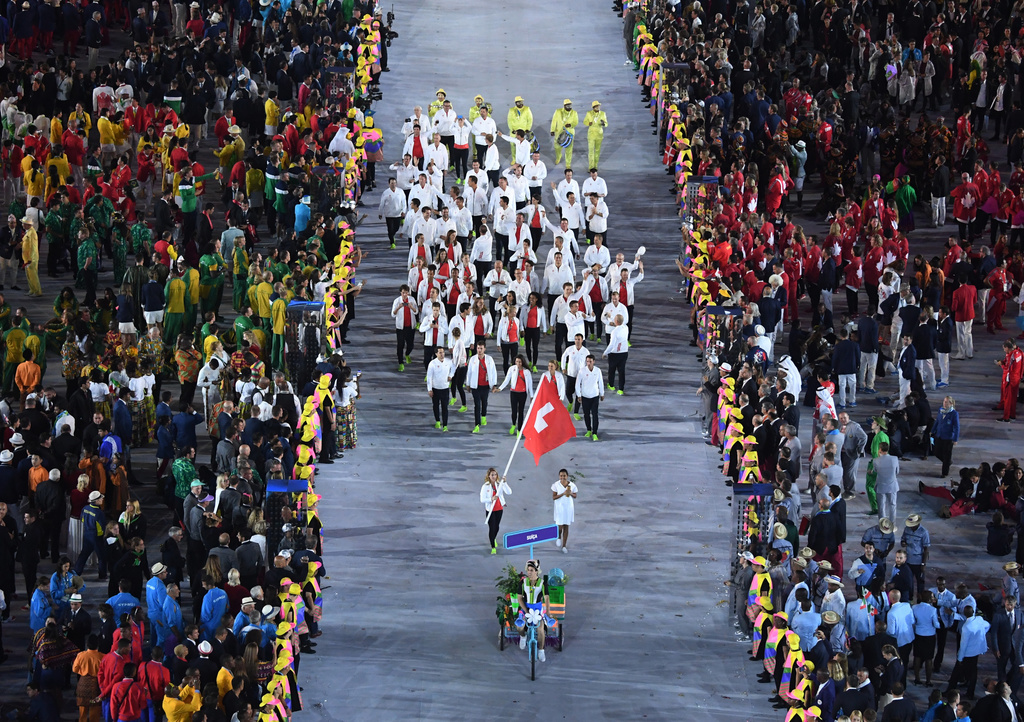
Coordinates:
<point>278,317</point>
<point>596,121</point>
<point>520,117</point>
<point>565,118</point>
<point>30,256</point>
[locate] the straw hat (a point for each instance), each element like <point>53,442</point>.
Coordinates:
<point>913,521</point>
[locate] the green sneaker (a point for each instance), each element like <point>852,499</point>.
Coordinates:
<point>437,424</point>
<point>401,367</point>
<point>577,417</point>
<point>512,430</point>
<point>444,429</point>
<point>476,430</point>
<point>463,409</point>
<point>593,437</point>
<point>588,434</point>
<point>483,421</point>
<point>494,550</point>
<point>620,392</point>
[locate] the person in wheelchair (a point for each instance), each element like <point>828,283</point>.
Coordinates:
<point>534,596</point>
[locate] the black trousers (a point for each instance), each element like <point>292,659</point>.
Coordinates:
<point>394,224</point>
<point>460,156</point>
<point>570,393</point>
<point>561,336</point>
<point>493,524</point>
<point>944,452</point>
<point>518,408</point>
<point>965,671</point>
<point>404,337</point>
<point>509,351</point>
<point>459,383</point>
<point>617,362</point>
<point>480,395</point>
<point>590,414</point>
<point>440,399</point>
<point>532,338</point>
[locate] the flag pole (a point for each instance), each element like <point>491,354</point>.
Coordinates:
<point>519,438</point>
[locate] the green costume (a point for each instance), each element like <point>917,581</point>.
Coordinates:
<point>211,282</point>
<point>880,438</point>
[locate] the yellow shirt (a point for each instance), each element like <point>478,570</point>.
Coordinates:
<point>193,285</point>
<point>35,183</point>
<point>106,130</point>
<point>263,291</point>
<point>56,131</point>
<point>30,246</point>
<point>181,710</point>
<point>277,312</point>
<point>273,111</point>
<point>176,296</point>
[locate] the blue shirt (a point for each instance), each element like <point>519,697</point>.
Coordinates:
<point>972,638</point>
<point>806,624</point>
<point>215,603</point>
<point>900,623</point>
<point>926,620</point>
<point>156,591</point>
<point>123,603</point>
<point>171,614</point>
<point>916,541</point>
<point>39,610</point>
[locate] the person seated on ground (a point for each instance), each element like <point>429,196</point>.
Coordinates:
<point>1000,536</point>
<point>533,597</point>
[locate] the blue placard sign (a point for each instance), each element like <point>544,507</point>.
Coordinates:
<point>529,537</point>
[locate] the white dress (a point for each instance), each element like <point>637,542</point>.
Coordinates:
<point>563,505</point>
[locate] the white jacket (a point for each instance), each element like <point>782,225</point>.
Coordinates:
<point>512,376</point>
<point>488,493</point>
<point>473,372</point>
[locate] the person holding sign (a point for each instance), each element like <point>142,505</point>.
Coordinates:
<point>492,496</point>
<point>563,492</point>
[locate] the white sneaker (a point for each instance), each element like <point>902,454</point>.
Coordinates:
<point>540,655</point>
<point>522,641</point>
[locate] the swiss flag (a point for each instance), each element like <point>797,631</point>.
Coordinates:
<point>549,424</point>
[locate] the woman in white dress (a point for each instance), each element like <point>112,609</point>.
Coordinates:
<point>563,492</point>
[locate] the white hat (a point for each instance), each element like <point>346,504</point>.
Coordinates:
<point>17,440</point>
<point>205,648</point>
<point>94,496</point>
<point>158,568</point>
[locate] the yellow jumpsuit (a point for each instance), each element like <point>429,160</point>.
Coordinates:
<point>596,122</point>
<point>564,120</point>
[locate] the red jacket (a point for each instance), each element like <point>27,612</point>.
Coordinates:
<point>964,299</point>
<point>111,672</point>
<point>127,701</point>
